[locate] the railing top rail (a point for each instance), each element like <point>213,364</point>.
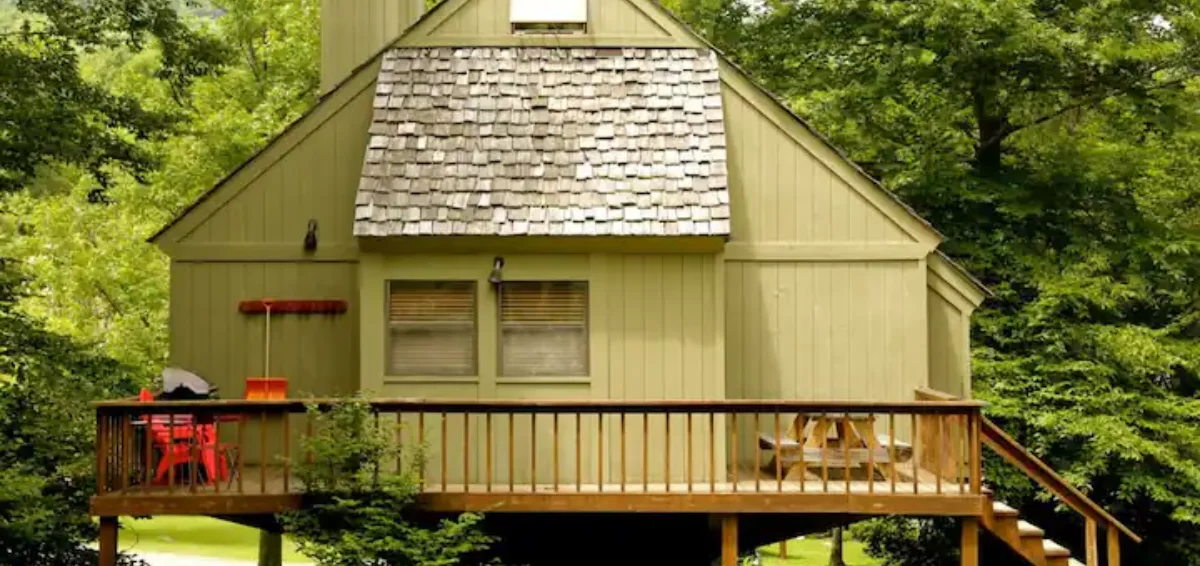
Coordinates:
<point>1032,466</point>
<point>545,406</point>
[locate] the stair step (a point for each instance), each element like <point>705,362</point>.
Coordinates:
<point>1074,562</point>
<point>1054,550</point>
<point>1029,530</point>
<point>1003,510</point>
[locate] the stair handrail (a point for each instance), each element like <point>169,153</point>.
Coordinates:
<point>1014,453</point>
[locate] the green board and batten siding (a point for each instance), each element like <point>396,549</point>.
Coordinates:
<point>655,328</point>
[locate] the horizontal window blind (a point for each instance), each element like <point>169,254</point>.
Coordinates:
<point>431,327</point>
<point>543,329</point>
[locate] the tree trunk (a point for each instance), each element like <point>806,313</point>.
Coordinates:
<point>835,554</point>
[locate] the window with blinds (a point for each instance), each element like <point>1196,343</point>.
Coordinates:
<point>431,328</point>
<point>543,329</point>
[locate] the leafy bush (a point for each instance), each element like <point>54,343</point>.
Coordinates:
<point>357,506</point>
<point>902,541</point>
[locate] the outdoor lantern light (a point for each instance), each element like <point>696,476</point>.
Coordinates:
<point>497,275</point>
<point>310,239</point>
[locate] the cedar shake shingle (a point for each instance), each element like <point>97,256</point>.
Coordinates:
<point>544,141</point>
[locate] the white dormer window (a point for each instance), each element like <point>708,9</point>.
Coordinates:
<point>549,16</point>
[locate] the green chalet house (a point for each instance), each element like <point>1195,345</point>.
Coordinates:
<point>614,288</point>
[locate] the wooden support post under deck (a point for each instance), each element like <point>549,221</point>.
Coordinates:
<point>1114,546</point>
<point>970,541</point>
<point>108,541</point>
<point>729,540</point>
<point>270,549</point>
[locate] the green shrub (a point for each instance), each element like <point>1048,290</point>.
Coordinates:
<point>358,506</point>
<point>901,541</point>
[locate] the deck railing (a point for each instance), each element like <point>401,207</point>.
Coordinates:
<point>546,447</point>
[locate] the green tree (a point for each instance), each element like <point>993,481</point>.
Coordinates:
<point>46,446</point>
<point>54,116</point>
<point>1054,143</point>
<point>357,507</point>
<point>92,276</point>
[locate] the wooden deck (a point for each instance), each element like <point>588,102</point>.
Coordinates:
<point>254,496</point>
<point>585,457</point>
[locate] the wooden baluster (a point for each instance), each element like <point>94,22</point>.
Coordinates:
<point>600,452</point>
<point>148,440</point>
<point>533,452</point>
<point>421,442</point>
<point>555,452</point>
<point>126,441</point>
<point>241,456</point>
<point>262,451</point>
<point>778,454</point>
<point>960,455</point>
<point>937,453</point>
<point>847,432</point>
<point>1092,542</point>
<point>101,454</point>
<point>667,450</point>
<point>712,452</point>
<point>757,456</point>
<point>195,455</point>
<point>622,452</point>
<point>688,452</point>
<point>578,452</point>
<point>170,453</point>
<point>892,450</point>
<point>871,442</point>
<point>645,452</point>
<point>445,459</point>
<point>733,450</point>
<point>976,456</point>
<point>399,439</point>
<point>287,452</point>
<point>1114,545</point>
<point>308,432</point>
<point>512,459</point>
<point>916,455</point>
<point>466,452</point>
<point>824,453</point>
<point>488,474</point>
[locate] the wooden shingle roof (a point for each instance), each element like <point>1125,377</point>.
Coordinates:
<point>545,141</point>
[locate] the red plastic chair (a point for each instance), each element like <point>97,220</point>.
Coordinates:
<point>199,445</point>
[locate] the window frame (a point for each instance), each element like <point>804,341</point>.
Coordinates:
<point>475,328</point>
<point>501,375</point>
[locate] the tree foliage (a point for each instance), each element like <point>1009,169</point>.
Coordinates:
<point>46,449</point>
<point>1054,143</point>
<point>54,116</point>
<point>357,507</point>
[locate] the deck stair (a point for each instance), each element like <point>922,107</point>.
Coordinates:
<point>1026,539</point>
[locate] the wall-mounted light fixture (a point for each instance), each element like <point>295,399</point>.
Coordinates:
<point>497,276</point>
<point>310,239</point>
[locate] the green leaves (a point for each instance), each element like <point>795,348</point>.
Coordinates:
<point>1055,143</point>
<point>357,498</point>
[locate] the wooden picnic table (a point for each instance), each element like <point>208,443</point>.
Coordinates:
<point>854,444</point>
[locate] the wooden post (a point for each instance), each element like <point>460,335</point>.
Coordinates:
<point>1092,542</point>
<point>783,553</point>
<point>270,549</point>
<point>970,541</point>
<point>108,541</point>
<point>1114,546</point>
<point>729,540</point>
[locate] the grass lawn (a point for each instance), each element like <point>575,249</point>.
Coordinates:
<point>196,536</point>
<point>815,552</point>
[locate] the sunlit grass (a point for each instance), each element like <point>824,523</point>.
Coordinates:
<point>196,536</point>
